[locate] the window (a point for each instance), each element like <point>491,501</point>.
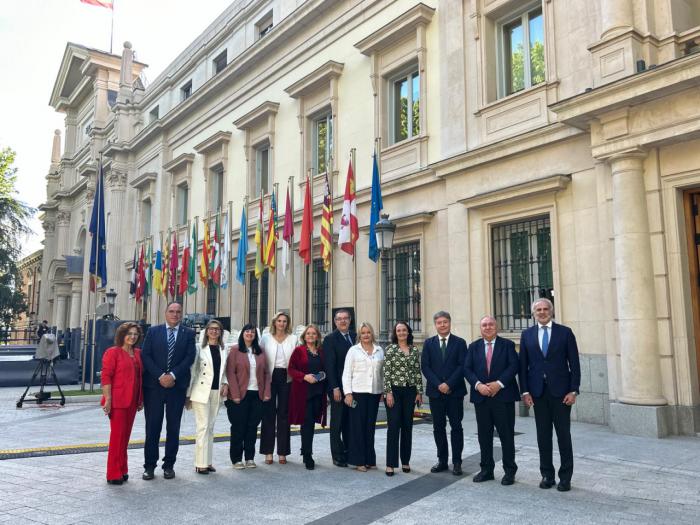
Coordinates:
<point>220,62</point>
<point>522,269</point>
<point>405,106</point>
<point>211,298</point>
<point>323,143</point>
<point>216,188</point>
<point>154,114</point>
<point>186,91</point>
<point>262,170</point>
<point>146,217</point>
<point>264,26</point>
<point>522,52</point>
<point>319,297</point>
<point>111,97</point>
<point>253,299</point>
<point>401,280</point>
<point>182,198</point>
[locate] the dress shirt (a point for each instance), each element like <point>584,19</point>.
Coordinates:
<point>447,340</point>
<point>346,335</point>
<point>486,351</point>
<point>363,373</point>
<point>252,378</point>
<point>167,334</point>
<point>401,369</point>
<point>540,332</point>
<point>277,354</point>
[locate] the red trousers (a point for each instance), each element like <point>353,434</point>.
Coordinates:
<point>121,422</point>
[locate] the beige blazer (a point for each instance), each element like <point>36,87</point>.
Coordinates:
<point>202,374</point>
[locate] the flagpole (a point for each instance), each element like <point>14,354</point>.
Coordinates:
<point>276,193</point>
<point>228,272</point>
<point>246,205</point>
<point>329,308</point>
<point>353,153</point>
<point>160,292</point>
<point>111,31</point>
<point>307,275</point>
<point>196,264</point>
<point>378,282</point>
<point>218,288</point>
<point>261,220</point>
<point>290,183</point>
<point>100,205</point>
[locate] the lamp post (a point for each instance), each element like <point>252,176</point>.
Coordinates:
<point>384,231</point>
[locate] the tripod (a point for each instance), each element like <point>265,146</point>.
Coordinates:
<point>42,370</point>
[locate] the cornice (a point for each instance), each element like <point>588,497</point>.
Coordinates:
<point>220,139</point>
<point>411,219</point>
<point>143,179</point>
<point>179,162</point>
<point>316,79</point>
<point>257,115</point>
<point>518,191</point>
<point>398,29</point>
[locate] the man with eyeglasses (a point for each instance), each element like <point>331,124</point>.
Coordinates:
<point>335,348</point>
<point>168,353</point>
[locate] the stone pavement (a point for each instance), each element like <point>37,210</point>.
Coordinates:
<point>617,479</point>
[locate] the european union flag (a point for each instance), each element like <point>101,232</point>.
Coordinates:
<point>98,245</point>
<point>375,210</point>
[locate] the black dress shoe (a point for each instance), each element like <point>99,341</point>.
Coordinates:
<point>115,481</point>
<point>547,483</point>
<point>211,469</point>
<point>438,467</point>
<point>148,474</point>
<point>125,477</point>
<point>457,470</point>
<point>406,469</point>
<point>201,470</point>
<point>389,472</point>
<point>564,486</point>
<point>483,476</point>
<point>508,479</point>
<point>338,463</point>
<point>169,473</point>
<point>309,463</point>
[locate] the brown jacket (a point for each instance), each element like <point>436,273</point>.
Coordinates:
<point>238,374</point>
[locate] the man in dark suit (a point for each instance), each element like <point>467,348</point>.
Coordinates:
<point>550,376</point>
<point>335,348</point>
<point>442,361</point>
<point>168,353</point>
<point>490,367</point>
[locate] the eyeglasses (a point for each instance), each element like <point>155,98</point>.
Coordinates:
<point>132,334</point>
<point>214,329</point>
<point>342,318</point>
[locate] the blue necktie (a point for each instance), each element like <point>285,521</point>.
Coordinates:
<point>545,341</point>
<point>171,346</point>
<point>347,338</point>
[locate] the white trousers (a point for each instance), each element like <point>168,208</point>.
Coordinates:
<point>204,417</point>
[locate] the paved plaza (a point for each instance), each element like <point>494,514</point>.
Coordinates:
<point>53,477</point>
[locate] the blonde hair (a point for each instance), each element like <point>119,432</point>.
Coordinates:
<point>365,324</point>
<point>302,338</point>
<point>220,342</point>
<point>288,330</point>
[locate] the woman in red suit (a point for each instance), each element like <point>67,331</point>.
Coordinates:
<point>307,404</point>
<point>122,396</point>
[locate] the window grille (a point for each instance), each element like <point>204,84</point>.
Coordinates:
<point>401,274</point>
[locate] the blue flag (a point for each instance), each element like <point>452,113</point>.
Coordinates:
<point>375,210</point>
<point>242,249</point>
<point>98,245</point>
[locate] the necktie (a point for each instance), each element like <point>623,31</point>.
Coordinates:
<point>347,338</point>
<point>489,356</point>
<point>545,341</point>
<point>443,347</point>
<point>171,346</point>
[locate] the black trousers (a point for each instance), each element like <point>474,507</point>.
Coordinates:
<point>400,426</point>
<point>492,413</point>
<point>551,411</point>
<point>363,420</point>
<point>313,405</point>
<point>159,402</point>
<point>276,416</point>
<point>340,429</point>
<point>244,418</point>
<point>443,408</point>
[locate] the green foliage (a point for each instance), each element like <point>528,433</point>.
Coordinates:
<point>517,67</point>
<point>14,216</point>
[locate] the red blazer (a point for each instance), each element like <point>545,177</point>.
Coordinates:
<point>298,367</point>
<point>238,373</point>
<point>118,370</point>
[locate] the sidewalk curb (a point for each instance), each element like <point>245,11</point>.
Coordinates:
<point>73,400</point>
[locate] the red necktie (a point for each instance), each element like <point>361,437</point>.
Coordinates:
<point>489,356</point>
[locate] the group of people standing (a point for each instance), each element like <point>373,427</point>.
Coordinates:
<point>280,381</point>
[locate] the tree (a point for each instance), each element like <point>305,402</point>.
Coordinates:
<point>14,217</point>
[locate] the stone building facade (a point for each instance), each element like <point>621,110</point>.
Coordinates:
<point>526,149</point>
<point>24,327</point>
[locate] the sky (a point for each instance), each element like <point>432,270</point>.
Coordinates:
<point>33,37</point>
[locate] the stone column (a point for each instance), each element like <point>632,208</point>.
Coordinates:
<point>60,317</point>
<point>617,17</point>
<point>75,304</point>
<point>62,233</point>
<point>116,236</point>
<point>636,297</point>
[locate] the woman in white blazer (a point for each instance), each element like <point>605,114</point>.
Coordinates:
<point>278,346</point>
<point>208,388</point>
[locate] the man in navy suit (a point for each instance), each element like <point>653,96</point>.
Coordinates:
<point>168,353</point>
<point>490,367</point>
<point>335,348</point>
<point>442,361</point>
<point>550,376</point>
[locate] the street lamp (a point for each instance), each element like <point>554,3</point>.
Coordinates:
<point>384,230</point>
<point>111,297</point>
